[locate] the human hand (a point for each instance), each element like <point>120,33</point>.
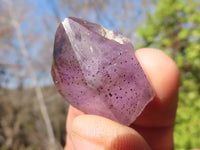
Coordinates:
<point>152,130</point>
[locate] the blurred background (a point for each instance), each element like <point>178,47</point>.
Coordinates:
<point>33,114</point>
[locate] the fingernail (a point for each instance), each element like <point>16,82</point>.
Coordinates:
<point>80,143</point>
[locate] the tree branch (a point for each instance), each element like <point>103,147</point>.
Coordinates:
<point>38,90</point>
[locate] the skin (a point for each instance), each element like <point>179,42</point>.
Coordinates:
<point>152,130</point>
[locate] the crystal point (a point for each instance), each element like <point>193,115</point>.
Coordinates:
<point>96,71</point>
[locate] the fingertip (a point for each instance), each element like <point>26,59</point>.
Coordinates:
<point>72,113</point>
<point>163,75</point>
<point>161,70</point>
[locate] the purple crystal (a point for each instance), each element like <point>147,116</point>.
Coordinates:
<point>96,71</point>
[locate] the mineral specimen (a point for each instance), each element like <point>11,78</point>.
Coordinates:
<point>96,71</point>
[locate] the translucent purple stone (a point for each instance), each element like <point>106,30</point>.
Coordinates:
<point>96,71</point>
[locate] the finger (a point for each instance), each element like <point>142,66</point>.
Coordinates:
<point>72,113</point>
<point>95,132</point>
<point>164,77</point>
<point>157,119</point>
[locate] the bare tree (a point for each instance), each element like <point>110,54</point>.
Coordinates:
<point>16,26</point>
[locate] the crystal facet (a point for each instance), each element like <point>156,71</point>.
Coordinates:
<point>96,71</point>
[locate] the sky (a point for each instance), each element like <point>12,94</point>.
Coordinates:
<point>43,11</point>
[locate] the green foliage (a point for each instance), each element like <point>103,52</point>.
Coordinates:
<point>174,28</point>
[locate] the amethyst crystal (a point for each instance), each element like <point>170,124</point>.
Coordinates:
<point>96,71</point>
